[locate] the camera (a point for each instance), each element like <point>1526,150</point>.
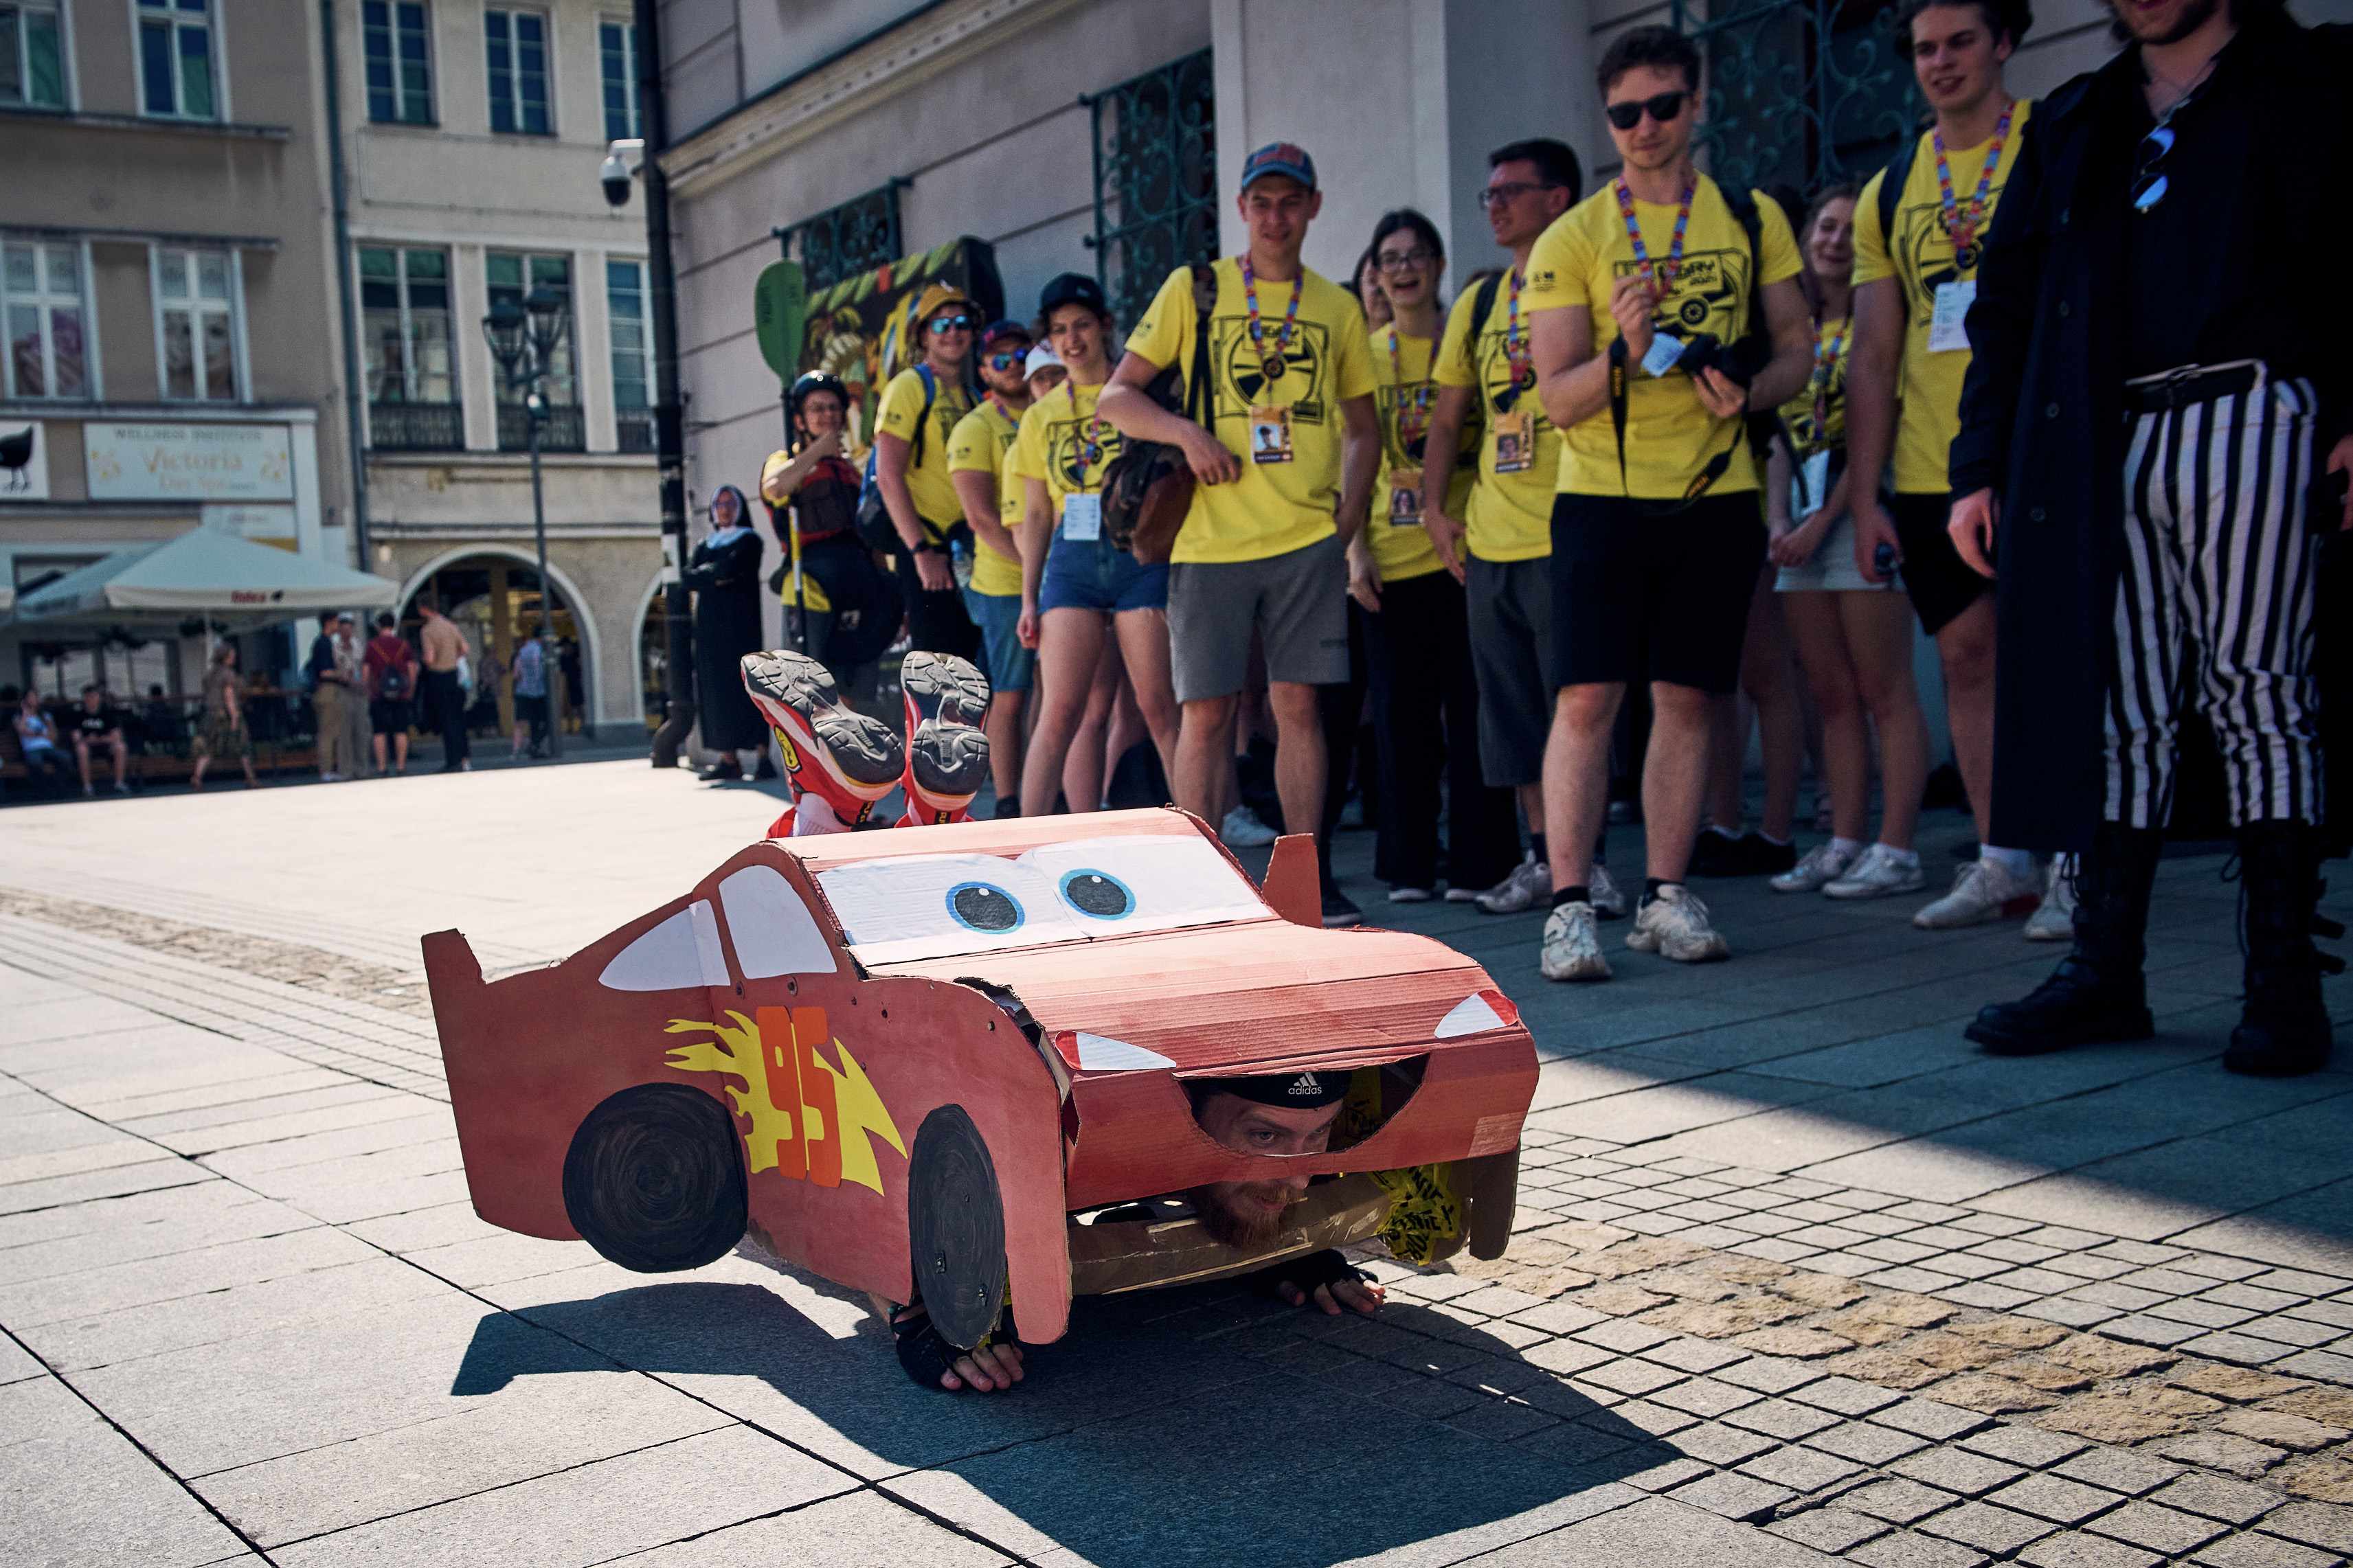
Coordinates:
<point>1708,352</point>
<point>621,159</point>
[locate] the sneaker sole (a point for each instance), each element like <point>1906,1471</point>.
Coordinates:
<point>2141,1026</point>
<point>935,683</point>
<point>947,756</point>
<point>2011,909</point>
<point>1831,889</point>
<point>1582,969</point>
<point>796,696</point>
<point>2050,933</point>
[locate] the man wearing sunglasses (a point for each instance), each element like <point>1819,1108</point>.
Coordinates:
<point>2153,424</point>
<point>1919,233</point>
<point>991,498</point>
<point>1651,349</point>
<point>913,429</point>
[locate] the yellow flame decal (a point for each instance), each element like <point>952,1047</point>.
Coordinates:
<point>859,1111</point>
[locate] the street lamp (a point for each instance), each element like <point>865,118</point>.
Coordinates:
<point>523,338</point>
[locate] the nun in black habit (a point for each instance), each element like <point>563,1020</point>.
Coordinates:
<point>724,573</point>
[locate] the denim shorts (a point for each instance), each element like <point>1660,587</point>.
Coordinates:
<point>1096,574</point>
<point>998,616</point>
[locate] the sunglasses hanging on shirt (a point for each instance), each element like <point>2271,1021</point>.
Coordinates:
<point>2149,176</point>
<point>1664,108</point>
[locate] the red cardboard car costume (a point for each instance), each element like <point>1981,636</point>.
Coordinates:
<point>911,1062</point>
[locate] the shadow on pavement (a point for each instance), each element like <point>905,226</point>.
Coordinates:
<point>1187,1425</point>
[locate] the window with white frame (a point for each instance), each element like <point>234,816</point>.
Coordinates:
<point>42,294</point>
<point>516,50</point>
<point>616,42</point>
<point>404,316</point>
<point>399,62</point>
<point>511,276</point>
<point>32,56</point>
<point>195,316</point>
<point>176,74</point>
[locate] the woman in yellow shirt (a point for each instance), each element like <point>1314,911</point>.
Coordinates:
<point>1852,636</point>
<point>1416,619</point>
<point>1075,582</point>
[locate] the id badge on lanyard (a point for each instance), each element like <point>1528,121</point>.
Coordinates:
<point>1812,483</point>
<point>1515,442</point>
<point>1405,498</point>
<point>1270,434</point>
<point>1082,516</point>
<point>1948,329</point>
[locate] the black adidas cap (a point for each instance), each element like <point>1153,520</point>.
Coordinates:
<point>1301,1091</point>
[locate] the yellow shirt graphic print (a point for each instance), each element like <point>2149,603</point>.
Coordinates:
<point>1671,436</point>
<point>1798,414</point>
<point>1275,508</point>
<point>1509,514</point>
<point>1921,258</point>
<point>1063,443</point>
<point>1403,551</point>
<point>981,443</point>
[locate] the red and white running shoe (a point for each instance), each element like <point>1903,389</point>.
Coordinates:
<point>830,748</point>
<point>947,753</point>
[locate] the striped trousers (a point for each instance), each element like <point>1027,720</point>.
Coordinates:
<point>2215,605</point>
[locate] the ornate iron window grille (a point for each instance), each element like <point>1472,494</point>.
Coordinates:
<point>843,241</point>
<point>417,426</point>
<point>1155,155</point>
<point>567,430</point>
<point>1800,92</point>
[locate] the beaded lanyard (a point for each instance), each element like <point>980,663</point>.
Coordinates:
<point>1825,366</point>
<point>1418,423</point>
<point>1961,228</point>
<point>1271,364</point>
<point>1663,276</point>
<point>1516,347</point>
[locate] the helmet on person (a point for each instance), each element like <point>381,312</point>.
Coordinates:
<point>814,381</point>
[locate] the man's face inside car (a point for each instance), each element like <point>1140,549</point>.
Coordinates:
<point>1249,1213</point>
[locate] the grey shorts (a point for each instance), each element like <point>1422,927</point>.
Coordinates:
<point>1299,602</point>
<point>1512,652</point>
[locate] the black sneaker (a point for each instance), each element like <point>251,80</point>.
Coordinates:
<point>1750,855</point>
<point>1008,809</point>
<point>1338,911</point>
<point>1710,850</point>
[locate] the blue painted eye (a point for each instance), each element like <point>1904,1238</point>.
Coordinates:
<point>983,907</point>
<point>1097,893</point>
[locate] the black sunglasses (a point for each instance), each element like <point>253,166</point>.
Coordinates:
<point>2148,180</point>
<point>954,324</point>
<point>1665,107</point>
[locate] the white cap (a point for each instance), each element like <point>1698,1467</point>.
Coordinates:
<point>1040,357</point>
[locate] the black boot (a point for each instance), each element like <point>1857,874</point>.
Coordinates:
<point>2283,1030</point>
<point>2096,994</point>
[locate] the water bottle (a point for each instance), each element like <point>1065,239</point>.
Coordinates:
<point>1883,558</point>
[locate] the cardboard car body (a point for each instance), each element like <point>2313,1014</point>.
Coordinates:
<point>932,1047</point>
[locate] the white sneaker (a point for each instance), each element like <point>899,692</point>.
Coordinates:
<point>2055,919</point>
<point>1242,830</point>
<point>1982,891</point>
<point>1878,874</point>
<point>1674,925</point>
<point>1609,898</point>
<point>1528,886</point>
<point>1572,945</point>
<point>1409,895</point>
<point>1825,863</point>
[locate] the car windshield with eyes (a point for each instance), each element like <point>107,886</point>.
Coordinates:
<point>932,906</point>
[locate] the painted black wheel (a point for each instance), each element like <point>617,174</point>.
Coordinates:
<point>654,1180</point>
<point>955,1224</point>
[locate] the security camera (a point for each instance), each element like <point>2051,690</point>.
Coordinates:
<point>621,160</point>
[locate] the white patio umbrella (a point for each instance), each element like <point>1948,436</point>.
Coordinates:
<point>231,584</point>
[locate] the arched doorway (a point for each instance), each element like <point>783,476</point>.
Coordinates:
<point>495,600</point>
<point>653,654</point>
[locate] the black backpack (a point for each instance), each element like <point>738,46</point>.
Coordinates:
<point>392,686</point>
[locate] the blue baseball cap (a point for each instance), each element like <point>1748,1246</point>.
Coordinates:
<point>1279,158</point>
<point>1006,328</point>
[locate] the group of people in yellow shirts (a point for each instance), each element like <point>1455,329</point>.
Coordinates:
<point>1626,458</point>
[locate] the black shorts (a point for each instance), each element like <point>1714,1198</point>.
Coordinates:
<point>1641,597</point>
<point>389,715</point>
<point>1940,581</point>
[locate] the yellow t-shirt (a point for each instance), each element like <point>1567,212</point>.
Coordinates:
<point>1064,444</point>
<point>978,446</point>
<point>927,481</point>
<point>1510,515</point>
<point>1404,550</point>
<point>1920,259</point>
<point>1837,340</point>
<point>1671,436</point>
<point>1275,508</point>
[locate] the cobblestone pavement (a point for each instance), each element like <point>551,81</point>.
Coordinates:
<point>1795,1279</point>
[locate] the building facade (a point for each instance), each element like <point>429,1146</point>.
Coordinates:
<point>165,280</point>
<point>472,135</point>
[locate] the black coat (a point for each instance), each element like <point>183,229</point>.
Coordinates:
<point>726,583</point>
<point>2042,415</point>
